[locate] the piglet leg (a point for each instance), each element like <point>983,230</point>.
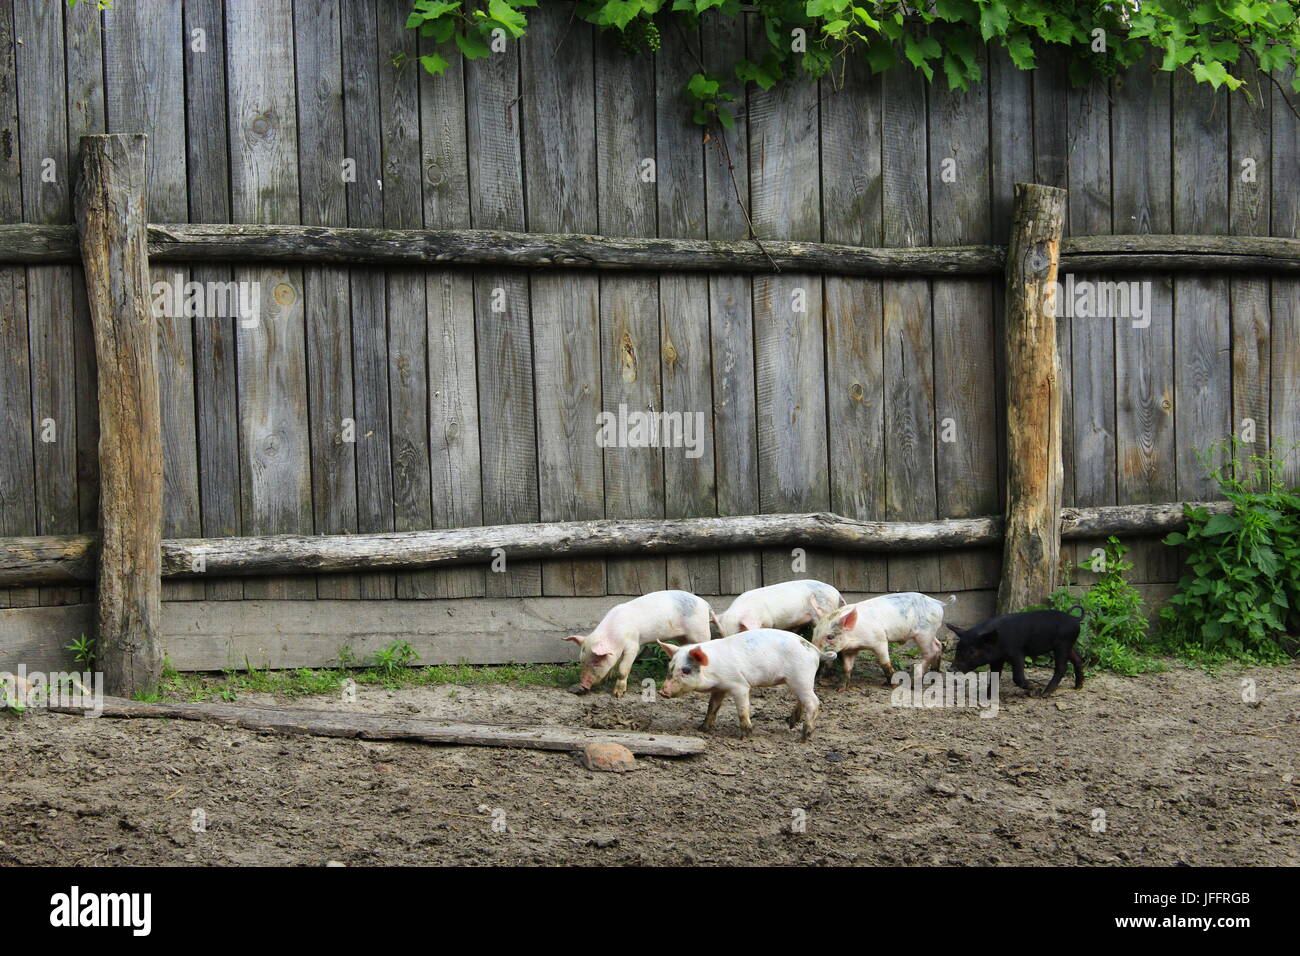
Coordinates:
<point>715,702</point>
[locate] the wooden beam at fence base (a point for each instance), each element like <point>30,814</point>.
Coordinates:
<point>69,558</point>
<point>184,242</point>
<point>326,723</point>
<point>111,220</point>
<point>1031,552</point>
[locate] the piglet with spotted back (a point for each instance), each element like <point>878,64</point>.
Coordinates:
<point>732,666</point>
<point>618,637</point>
<point>876,623</point>
<point>785,606</point>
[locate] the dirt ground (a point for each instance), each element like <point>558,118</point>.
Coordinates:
<point>1175,765</point>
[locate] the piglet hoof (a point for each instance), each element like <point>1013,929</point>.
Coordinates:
<point>619,691</point>
<point>578,689</point>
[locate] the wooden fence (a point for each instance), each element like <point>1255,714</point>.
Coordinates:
<point>473,391</point>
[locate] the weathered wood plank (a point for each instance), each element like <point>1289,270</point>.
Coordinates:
<point>1144,374</point>
<point>70,558</point>
<point>851,140</point>
<point>789,335</point>
<point>629,306</point>
<point>324,723</point>
<point>1284,393</point>
<point>111,218</point>
<point>1090,431</point>
<point>327,300</point>
<point>145,86</point>
<point>1203,329</point>
<point>215,374</point>
<point>1250,182</point>
<point>966,471</point>
<point>46,189</point>
<point>408,337</point>
<point>456,470</point>
<point>908,328</point>
<point>560,154</point>
<point>507,411</point>
<point>362,126</point>
<point>684,334</point>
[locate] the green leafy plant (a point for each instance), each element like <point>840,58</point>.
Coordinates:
<point>1241,598</point>
<point>391,661</point>
<point>1215,41</point>
<point>83,650</point>
<point>1113,634</point>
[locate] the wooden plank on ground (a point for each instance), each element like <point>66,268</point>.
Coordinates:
<point>629,305</point>
<point>908,330</point>
<point>851,143</point>
<point>324,723</point>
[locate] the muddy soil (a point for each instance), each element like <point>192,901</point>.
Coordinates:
<point>1161,769</point>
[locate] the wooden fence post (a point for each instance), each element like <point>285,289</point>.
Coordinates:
<point>111,220</point>
<point>1032,548</point>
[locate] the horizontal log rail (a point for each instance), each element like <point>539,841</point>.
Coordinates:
<point>40,245</point>
<point>70,559</point>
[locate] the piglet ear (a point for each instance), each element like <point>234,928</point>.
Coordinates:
<point>576,638</point>
<point>989,638</point>
<point>699,657</point>
<point>816,608</point>
<point>670,649</point>
<point>954,628</point>
<point>848,620</point>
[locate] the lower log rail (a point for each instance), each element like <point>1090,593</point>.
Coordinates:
<point>328,723</point>
<point>71,558</point>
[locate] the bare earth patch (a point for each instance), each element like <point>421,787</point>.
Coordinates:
<point>1184,771</point>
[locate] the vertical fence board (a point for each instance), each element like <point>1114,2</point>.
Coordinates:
<point>908,332</point>
<point>408,336</point>
<point>1203,331</point>
<point>276,478</point>
<point>215,374</point>
<point>1092,338</point>
<point>327,296</point>
<point>1144,374</point>
<point>362,61</point>
<point>144,68</point>
<point>629,305</point>
<point>966,471</point>
<point>685,346</point>
<point>1284,429</point>
<point>789,346</point>
<point>456,473</point>
<point>851,142</point>
<point>731,325</point>
<point>1249,191</point>
<point>558,110</point>
<point>506,395</point>
<point>47,181</point>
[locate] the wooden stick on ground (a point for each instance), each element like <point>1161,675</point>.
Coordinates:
<point>328,723</point>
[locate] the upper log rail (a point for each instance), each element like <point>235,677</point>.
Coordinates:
<point>71,558</point>
<point>48,245</point>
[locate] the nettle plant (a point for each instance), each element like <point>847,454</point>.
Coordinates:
<point>1216,41</point>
